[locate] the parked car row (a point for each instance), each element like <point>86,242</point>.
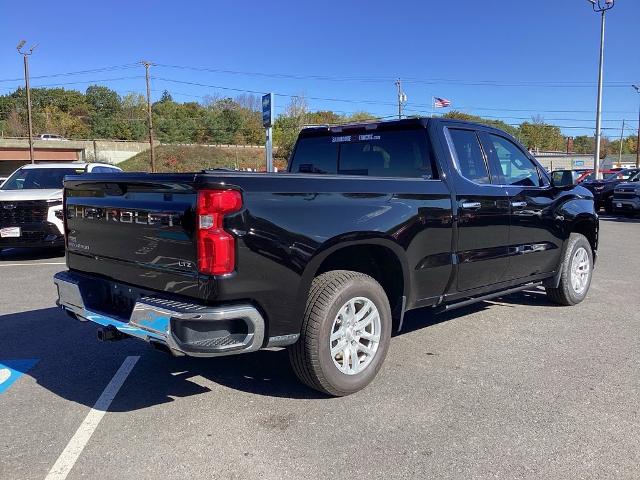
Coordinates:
<point>616,192</point>
<point>603,190</point>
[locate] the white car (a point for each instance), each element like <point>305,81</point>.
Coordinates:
<point>31,203</point>
<point>50,136</point>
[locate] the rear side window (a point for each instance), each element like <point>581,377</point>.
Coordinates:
<point>469,155</point>
<point>401,153</point>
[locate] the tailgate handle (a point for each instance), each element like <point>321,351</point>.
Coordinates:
<point>471,205</point>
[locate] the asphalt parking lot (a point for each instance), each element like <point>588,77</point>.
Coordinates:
<point>513,388</point>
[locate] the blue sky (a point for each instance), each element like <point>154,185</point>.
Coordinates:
<point>538,57</point>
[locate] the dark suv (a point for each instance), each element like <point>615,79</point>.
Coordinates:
<point>626,196</point>
<point>603,189</point>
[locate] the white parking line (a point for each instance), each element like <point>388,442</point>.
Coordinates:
<point>74,448</point>
<point>30,264</point>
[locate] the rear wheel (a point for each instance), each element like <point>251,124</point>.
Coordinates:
<point>345,333</point>
<point>576,272</point>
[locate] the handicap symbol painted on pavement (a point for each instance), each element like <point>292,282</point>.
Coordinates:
<point>12,370</point>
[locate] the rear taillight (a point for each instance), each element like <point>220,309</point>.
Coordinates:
<point>216,247</point>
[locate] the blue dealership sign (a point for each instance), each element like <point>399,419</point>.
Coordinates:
<point>267,110</point>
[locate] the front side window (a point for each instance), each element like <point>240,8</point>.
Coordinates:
<point>469,155</point>
<point>511,164</point>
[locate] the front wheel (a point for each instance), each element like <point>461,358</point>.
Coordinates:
<point>576,271</point>
<point>345,333</point>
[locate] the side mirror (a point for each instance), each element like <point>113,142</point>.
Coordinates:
<point>564,178</point>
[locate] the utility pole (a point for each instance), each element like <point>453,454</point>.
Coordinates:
<point>402,98</point>
<point>149,116</point>
<point>637,87</point>
<point>25,56</point>
<point>621,139</point>
<point>600,6</point>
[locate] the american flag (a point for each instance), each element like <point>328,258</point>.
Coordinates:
<point>441,102</point>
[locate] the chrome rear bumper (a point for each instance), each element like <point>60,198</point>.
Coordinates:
<point>185,328</point>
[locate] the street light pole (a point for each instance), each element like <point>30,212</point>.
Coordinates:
<point>25,56</point>
<point>637,87</point>
<point>600,6</point>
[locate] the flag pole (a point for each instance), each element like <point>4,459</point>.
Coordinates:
<point>433,106</point>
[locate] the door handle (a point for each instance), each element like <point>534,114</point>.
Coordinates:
<point>518,204</point>
<point>471,205</point>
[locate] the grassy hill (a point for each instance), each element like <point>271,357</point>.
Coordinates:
<point>193,158</point>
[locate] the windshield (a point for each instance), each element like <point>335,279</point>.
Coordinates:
<point>626,175</point>
<point>592,176</point>
<point>38,178</point>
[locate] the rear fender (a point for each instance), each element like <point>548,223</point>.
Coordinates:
<point>344,241</point>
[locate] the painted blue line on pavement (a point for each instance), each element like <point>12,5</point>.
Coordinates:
<point>12,370</point>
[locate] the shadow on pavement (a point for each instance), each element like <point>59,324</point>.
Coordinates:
<point>621,219</point>
<point>426,317</point>
<point>75,366</point>
<point>20,254</point>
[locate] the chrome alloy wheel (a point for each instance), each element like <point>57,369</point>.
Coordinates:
<point>580,270</point>
<point>355,335</point>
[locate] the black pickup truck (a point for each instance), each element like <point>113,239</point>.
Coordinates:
<point>371,220</point>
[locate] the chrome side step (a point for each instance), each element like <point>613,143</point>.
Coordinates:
<point>471,301</point>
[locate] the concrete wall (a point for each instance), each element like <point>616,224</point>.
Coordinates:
<point>564,161</point>
<point>109,151</point>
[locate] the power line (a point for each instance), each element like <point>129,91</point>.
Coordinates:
<point>333,78</point>
<point>373,79</point>
<point>79,72</point>
<point>365,101</point>
<point>530,119</point>
<point>84,82</point>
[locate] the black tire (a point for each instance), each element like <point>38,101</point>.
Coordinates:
<point>565,293</point>
<point>311,357</point>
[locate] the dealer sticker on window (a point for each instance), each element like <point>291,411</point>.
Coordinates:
<point>10,232</point>
<point>355,138</point>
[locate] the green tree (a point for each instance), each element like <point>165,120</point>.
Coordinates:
<point>537,135</point>
<point>166,96</point>
<point>361,117</point>
<point>474,118</point>
<point>584,144</point>
<point>103,100</point>
<point>324,117</point>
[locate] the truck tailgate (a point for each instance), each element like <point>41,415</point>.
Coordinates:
<point>133,228</point>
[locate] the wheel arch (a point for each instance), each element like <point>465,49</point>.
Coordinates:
<point>586,225</point>
<point>381,258</point>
